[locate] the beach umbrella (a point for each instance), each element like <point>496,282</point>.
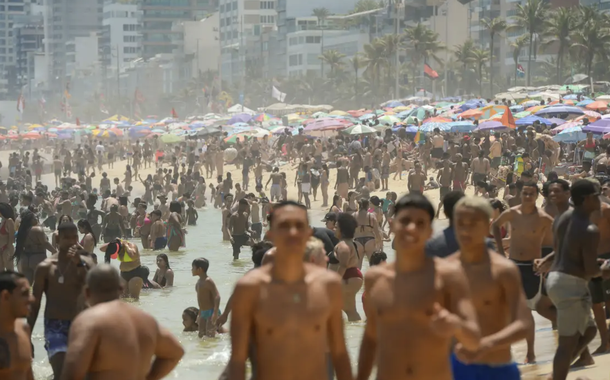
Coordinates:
<point>170,138</point>
<point>529,120</point>
<point>571,135</point>
<point>327,124</point>
<point>603,97</point>
<point>549,111</point>
<point>430,127</point>
<point>565,126</point>
<point>599,126</point>
<point>471,114</point>
<point>359,129</point>
<point>556,120</point>
<point>263,117</point>
<point>464,126</point>
<point>592,115</point>
<point>584,103</point>
<point>389,119</point>
<point>31,135</point>
<point>598,105</point>
<point>492,125</point>
<point>394,104</point>
<point>471,104</point>
<point>522,114</point>
<point>107,133</point>
<point>240,118</point>
<point>245,135</point>
<point>282,130</point>
<point>139,131</point>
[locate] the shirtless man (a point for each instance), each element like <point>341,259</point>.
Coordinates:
<point>57,165</point>
<point>445,179</point>
<point>15,347</point>
<point>288,307</point>
<point>163,206</point>
<point>95,336</point>
<point>499,301</point>
<point>460,174</point>
<point>342,183</point>
<point>416,179</point>
<point>415,306</point>
<point>275,178</point>
<point>239,228</point>
<point>226,214</point>
<point>61,278</point>
<point>574,263</point>
<point>528,225</point>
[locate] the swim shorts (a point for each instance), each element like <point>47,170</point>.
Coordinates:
<point>463,371</point>
<point>599,288</point>
<point>142,272</point>
<point>207,314</point>
<point>570,295</point>
<point>56,336</point>
<point>530,281</point>
<point>160,243</point>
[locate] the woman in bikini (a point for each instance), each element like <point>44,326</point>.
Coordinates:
<point>128,176</point>
<point>368,234</point>
<point>324,182</point>
<point>89,241</point>
<point>164,276</point>
<point>337,203</point>
<point>31,245</point>
<point>7,237</point>
<point>175,232</point>
<point>349,255</point>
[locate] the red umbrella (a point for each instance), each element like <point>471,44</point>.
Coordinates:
<point>31,135</point>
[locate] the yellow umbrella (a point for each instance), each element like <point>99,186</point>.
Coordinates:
<point>34,126</point>
<point>117,117</point>
<point>293,117</point>
<point>401,108</point>
<point>339,113</point>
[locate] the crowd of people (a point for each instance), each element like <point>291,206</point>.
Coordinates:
<point>449,307</point>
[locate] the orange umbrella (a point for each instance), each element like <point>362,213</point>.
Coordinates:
<point>437,119</point>
<point>31,135</point>
<point>471,113</point>
<point>598,105</point>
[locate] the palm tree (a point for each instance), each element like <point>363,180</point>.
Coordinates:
<point>558,28</point>
<point>334,59</point>
<point>422,45</point>
<point>517,46</point>
<point>530,18</point>
<point>321,14</point>
<point>356,62</point>
<point>374,59</point>
<point>463,54</point>
<point>391,42</point>
<point>480,57</point>
<point>592,40</point>
<point>494,27</point>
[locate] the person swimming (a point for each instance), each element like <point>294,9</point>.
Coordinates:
<point>164,276</point>
<point>189,319</point>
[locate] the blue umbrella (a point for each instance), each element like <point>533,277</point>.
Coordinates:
<point>559,110</point>
<point>490,125</point>
<point>240,118</point>
<point>408,128</point>
<point>394,104</point>
<point>241,125</point>
<point>429,127</point>
<point>556,120</point>
<point>529,120</point>
<point>584,103</point>
<point>461,126</point>
<point>472,103</point>
<point>403,114</point>
<point>573,97</point>
<point>367,116</point>
<point>516,108</point>
<point>571,135</point>
<point>600,126</point>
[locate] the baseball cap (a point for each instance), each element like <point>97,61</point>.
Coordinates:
<point>330,217</point>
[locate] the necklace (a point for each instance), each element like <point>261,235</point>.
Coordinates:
<point>61,279</point>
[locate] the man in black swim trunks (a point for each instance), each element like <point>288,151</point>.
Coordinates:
<point>529,225</point>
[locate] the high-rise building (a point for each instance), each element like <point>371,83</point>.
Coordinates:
<point>121,38</point>
<point>28,36</point>
<point>67,20</point>
<point>158,17</point>
<point>8,10</point>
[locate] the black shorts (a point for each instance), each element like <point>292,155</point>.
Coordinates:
<point>437,152</point>
<point>142,272</point>
<point>444,191</point>
<point>545,252</point>
<point>529,278</point>
<point>600,288</point>
<point>257,228</point>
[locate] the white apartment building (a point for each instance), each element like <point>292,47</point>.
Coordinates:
<point>121,38</point>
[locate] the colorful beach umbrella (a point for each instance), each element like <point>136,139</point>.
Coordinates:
<point>598,105</point>
<point>359,129</point>
<point>107,133</point>
<point>263,117</point>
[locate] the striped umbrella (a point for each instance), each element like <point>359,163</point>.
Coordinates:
<point>107,133</point>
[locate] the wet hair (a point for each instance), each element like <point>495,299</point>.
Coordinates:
<point>84,224</point>
<point>27,222</point>
<point>175,206</point>
<point>415,200</point>
<point>7,211</point>
<point>449,201</point>
<point>243,202</point>
<point>192,312</point>
<point>581,189</point>
<point>164,257</point>
<point>375,200</point>
<point>528,174</point>
<point>258,251</point>
<point>565,185</point>
<point>479,204</point>
<point>347,224</point>
<point>8,280</point>
<point>64,216</point>
<point>336,197</point>
<point>497,204</point>
<point>283,204</point>
<point>157,213</point>
<point>531,184</point>
<point>363,204</point>
<point>378,258</point>
<point>65,227</point>
<point>201,263</point>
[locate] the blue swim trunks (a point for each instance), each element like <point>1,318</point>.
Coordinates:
<point>463,371</point>
<point>207,314</point>
<point>56,336</point>
<point>160,243</point>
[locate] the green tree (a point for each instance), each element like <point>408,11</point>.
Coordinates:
<point>422,45</point>
<point>592,39</point>
<point>374,59</point>
<point>530,18</point>
<point>517,46</point>
<point>558,28</point>
<point>495,27</point>
<point>464,55</point>
<point>480,57</point>
<point>356,63</point>
<point>334,60</point>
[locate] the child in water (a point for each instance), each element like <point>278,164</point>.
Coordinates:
<point>191,214</point>
<point>208,298</point>
<point>189,319</point>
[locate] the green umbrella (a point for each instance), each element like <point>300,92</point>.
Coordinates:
<point>171,138</point>
<point>359,129</point>
<point>389,119</point>
<point>521,114</point>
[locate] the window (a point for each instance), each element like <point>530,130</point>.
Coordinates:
<point>130,27</point>
<point>129,50</point>
<point>235,5</point>
<point>222,22</point>
<point>267,19</point>
<point>222,8</point>
<point>293,41</point>
<point>129,38</point>
<point>295,60</point>
<point>267,5</point>
<point>313,39</point>
<point>15,8</point>
<point>235,34</point>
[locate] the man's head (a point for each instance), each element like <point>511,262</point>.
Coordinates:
<point>412,223</point>
<point>15,297</point>
<point>155,215</point>
<point>529,193</point>
<point>289,228</point>
<point>378,258</point>
<point>559,192</point>
<point>346,226</point>
<point>315,253</point>
<point>585,195</point>
<point>330,220</point>
<point>243,205</point>
<point>258,252</point>
<point>449,201</point>
<point>200,266</point>
<point>471,221</point>
<point>103,284</point>
<point>67,235</point>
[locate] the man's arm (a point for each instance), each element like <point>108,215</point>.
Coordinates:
<point>168,353</point>
<point>241,328</point>
<point>467,332</point>
<point>336,338</point>
<point>40,280</point>
<point>504,218</point>
<point>589,251</point>
<point>368,347</point>
<point>82,343</point>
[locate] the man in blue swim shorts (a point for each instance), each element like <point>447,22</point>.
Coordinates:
<point>61,279</point>
<point>497,296</point>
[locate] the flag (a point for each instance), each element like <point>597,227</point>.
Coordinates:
<point>77,121</point>
<point>520,70</point>
<point>429,72</point>
<point>138,99</point>
<point>507,119</point>
<point>417,138</point>
<point>21,104</point>
<point>174,114</point>
<point>277,94</point>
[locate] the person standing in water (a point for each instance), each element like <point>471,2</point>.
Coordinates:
<point>239,228</point>
<point>288,288</point>
<point>497,295</point>
<point>208,298</point>
<point>95,336</point>
<point>15,347</point>
<point>416,306</point>
<point>175,233</point>
<point>61,279</point>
